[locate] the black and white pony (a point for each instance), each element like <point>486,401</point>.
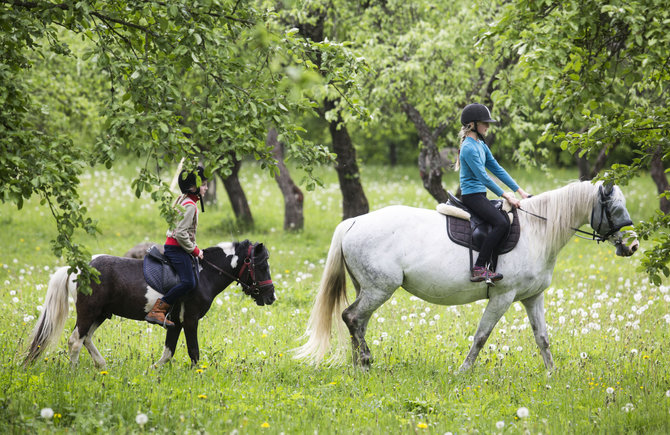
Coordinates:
<point>409,247</point>
<point>124,292</point>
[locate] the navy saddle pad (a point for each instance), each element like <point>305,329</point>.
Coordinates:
<point>158,271</point>
<point>472,234</point>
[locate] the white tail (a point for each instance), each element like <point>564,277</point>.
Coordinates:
<point>328,306</point>
<point>54,313</point>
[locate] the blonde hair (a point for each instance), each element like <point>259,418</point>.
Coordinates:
<point>462,135</point>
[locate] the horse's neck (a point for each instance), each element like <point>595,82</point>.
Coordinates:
<point>566,208</point>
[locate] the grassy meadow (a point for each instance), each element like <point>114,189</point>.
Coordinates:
<point>608,331</point>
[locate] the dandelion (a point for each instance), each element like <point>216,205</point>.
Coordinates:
<point>265,425</point>
<point>500,424</point>
<point>47,413</point>
<point>522,412</point>
<point>628,407</point>
<point>198,371</point>
<point>104,372</point>
<point>422,426</point>
<point>202,396</point>
<point>583,355</point>
<point>609,390</point>
<point>667,393</point>
<point>141,419</point>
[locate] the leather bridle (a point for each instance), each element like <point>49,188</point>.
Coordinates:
<point>246,271</point>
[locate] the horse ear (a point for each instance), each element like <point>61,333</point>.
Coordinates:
<point>259,247</point>
<point>608,188</point>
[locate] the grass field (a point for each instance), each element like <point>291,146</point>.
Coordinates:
<point>608,331</point>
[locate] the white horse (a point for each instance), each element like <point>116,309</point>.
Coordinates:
<point>409,247</point>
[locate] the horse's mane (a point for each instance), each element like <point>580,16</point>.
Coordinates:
<point>564,207</point>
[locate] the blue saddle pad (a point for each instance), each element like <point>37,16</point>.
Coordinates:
<point>158,271</point>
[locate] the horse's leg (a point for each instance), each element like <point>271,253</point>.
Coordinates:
<point>191,334</point>
<point>356,317</point>
<point>497,306</point>
<point>88,342</point>
<point>535,310</point>
<point>171,339</point>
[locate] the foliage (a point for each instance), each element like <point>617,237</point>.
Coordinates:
<point>601,73</point>
<point>194,80</point>
<point>607,331</point>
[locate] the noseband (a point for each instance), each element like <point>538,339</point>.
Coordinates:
<point>248,269</point>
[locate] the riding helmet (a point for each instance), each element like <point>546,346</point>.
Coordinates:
<point>187,179</point>
<point>476,112</point>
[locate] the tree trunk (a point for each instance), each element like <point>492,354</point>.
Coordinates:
<point>586,172</point>
<point>354,202</point>
<point>659,177</point>
<point>293,198</point>
<point>430,163</point>
<point>238,199</point>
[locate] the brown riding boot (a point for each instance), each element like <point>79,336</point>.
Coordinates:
<point>158,313</point>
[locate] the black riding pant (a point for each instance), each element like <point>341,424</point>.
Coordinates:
<point>478,203</point>
<point>183,265</point>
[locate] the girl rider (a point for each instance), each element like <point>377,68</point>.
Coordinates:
<point>475,157</point>
<point>180,246</point>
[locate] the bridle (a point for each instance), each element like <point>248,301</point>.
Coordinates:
<point>594,235</point>
<point>247,270</point>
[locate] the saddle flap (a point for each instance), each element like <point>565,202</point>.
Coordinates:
<point>158,271</point>
<point>473,233</point>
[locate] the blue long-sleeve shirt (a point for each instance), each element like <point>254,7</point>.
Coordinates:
<point>475,158</point>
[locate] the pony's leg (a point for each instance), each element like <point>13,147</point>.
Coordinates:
<point>191,334</point>
<point>88,342</point>
<point>356,317</point>
<point>497,306</point>
<point>535,310</point>
<point>171,339</point>
<point>74,344</point>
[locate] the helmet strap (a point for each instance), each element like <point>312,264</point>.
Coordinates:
<point>202,202</point>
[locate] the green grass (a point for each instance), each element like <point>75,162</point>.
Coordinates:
<point>608,330</point>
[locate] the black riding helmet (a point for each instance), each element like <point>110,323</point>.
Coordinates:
<point>188,180</point>
<point>476,112</point>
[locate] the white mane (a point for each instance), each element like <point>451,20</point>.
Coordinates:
<point>565,207</point>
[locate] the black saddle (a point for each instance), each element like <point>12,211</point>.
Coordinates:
<point>158,271</point>
<point>472,234</point>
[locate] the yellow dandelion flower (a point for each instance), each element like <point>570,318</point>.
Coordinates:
<point>333,383</point>
<point>202,396</point>
<point>265,425</point>
<point>37,248</point>
<point>104,372</point>
<point>199,371</point>
<point>422,426</point>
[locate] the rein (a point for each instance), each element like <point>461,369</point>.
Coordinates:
<point>593,236</point>
<point>248,266</point>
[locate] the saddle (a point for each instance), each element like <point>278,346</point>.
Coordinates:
<point>472,232</point>
<point>158,271</point>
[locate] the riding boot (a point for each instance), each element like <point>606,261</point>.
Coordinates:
<point>158,313</point>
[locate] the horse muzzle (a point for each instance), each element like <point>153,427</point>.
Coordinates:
<point>627,245</point>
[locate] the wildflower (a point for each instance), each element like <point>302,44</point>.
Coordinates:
<point>609,390</point>
<point>265,424</point>
<point>522,412</point>
<point>422,426</point>
<point>628,407</point>
<point>500,425</point>
<point>198,371</point>
<point>104,372</point>
<point>47,413</point>
<point>583,355</point>
<point>202,396</point>
<point>141,419</point>
<point>667,393</point>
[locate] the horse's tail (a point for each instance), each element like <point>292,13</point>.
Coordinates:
<point>54,314</point>
<point>330,301</point>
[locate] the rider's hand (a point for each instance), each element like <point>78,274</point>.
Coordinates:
<point>511,199</point>
<point>523,193</point>
<point>200,255</point>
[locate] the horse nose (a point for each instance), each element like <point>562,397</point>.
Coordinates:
<point>635,246</point>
